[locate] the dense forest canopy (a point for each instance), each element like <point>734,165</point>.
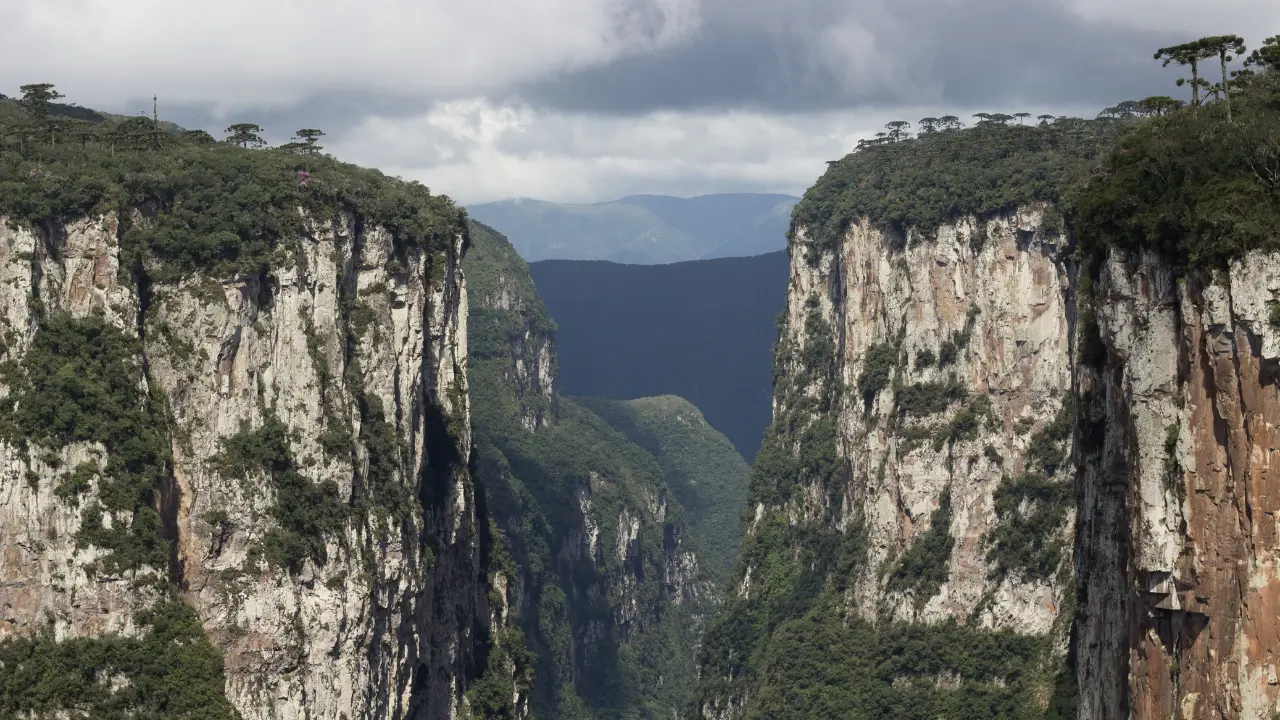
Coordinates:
<point>215,206</point>
<point>919,183</point>
<point>1199,186</point>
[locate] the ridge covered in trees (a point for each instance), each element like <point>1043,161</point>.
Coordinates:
<point>220,207</point>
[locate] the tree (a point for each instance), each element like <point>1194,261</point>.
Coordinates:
<point>1227,48</point>
<point>76,130</point>
<point>1021,116</point>
<point>950,122</point>
<point>304,141</point>
<point>928,125</point>
<point>1001,118</point>
<point>36,99</point>
<point>1045,119</point>
<point>198,137</point>
<point>1197,84</point>
<point>898,130</point>
<point>1159,105</point>
<point>1266,57</point>
<point>1189,54</point>
<point>245,135</point>
<point>136,133</point>
<point>983,117</point>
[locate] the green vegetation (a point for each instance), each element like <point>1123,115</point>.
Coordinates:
<point>701,330</point>
<point>938,176</point>
<point>965,425</point>
<point>877,369</point>
<point>1032,509</point>
<point>186,205</point>
<point>929,398</point>
<point>925,566</point>
<point>490,695</point>
<point>823,665</point>
<point>217,208</point>
<point>706,475</point>
<point>1171,451</point>
<point>793,568</point>
<point>170,671</point>
<point>958,341</point>
<point>1193,186</point>
<point>306,512</point>
<point>81,381</point>
<point>309,513</point>
<point>493,268</point>
<point>547,488</point>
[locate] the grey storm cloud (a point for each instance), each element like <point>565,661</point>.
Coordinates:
<point>582,100</point>
<point>829,54</point>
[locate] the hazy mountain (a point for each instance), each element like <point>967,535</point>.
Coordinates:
<point>643,229</point>
<point>703,330</point>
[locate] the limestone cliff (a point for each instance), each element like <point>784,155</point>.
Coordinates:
<point>1178,533</point>
<point>298,474</point>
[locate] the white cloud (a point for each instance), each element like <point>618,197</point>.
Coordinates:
<point>261,52</point>
<point>475,150</point>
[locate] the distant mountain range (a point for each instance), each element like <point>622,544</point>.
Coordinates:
<point>703,330</point>
<point>643,229</point>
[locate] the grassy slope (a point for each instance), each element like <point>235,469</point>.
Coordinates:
<point>701,467</point>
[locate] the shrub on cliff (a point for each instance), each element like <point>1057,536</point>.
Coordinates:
<point>170,671</point>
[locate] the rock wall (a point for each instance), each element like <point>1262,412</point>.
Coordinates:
<point>916,471</point>
<point>1177,534</point>
<point>358,348</point>
<point>954,351</point>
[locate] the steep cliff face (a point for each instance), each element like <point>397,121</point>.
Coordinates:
<point>916,476</point>
<point>609,592</point>
<point>285,451</point>
<point>955,351</point>
<point>1178,533</point>
<point>908,550</point>
<point>1177,536</point>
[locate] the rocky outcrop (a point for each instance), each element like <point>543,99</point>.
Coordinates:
<point>915,480</point>
<point>1177,532</point>
<point>955,352</point>
<point>352,344</point>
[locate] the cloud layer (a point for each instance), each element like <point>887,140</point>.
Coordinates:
<point>589,99</point>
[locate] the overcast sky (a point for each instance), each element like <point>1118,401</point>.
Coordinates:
<point>587,100</point>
